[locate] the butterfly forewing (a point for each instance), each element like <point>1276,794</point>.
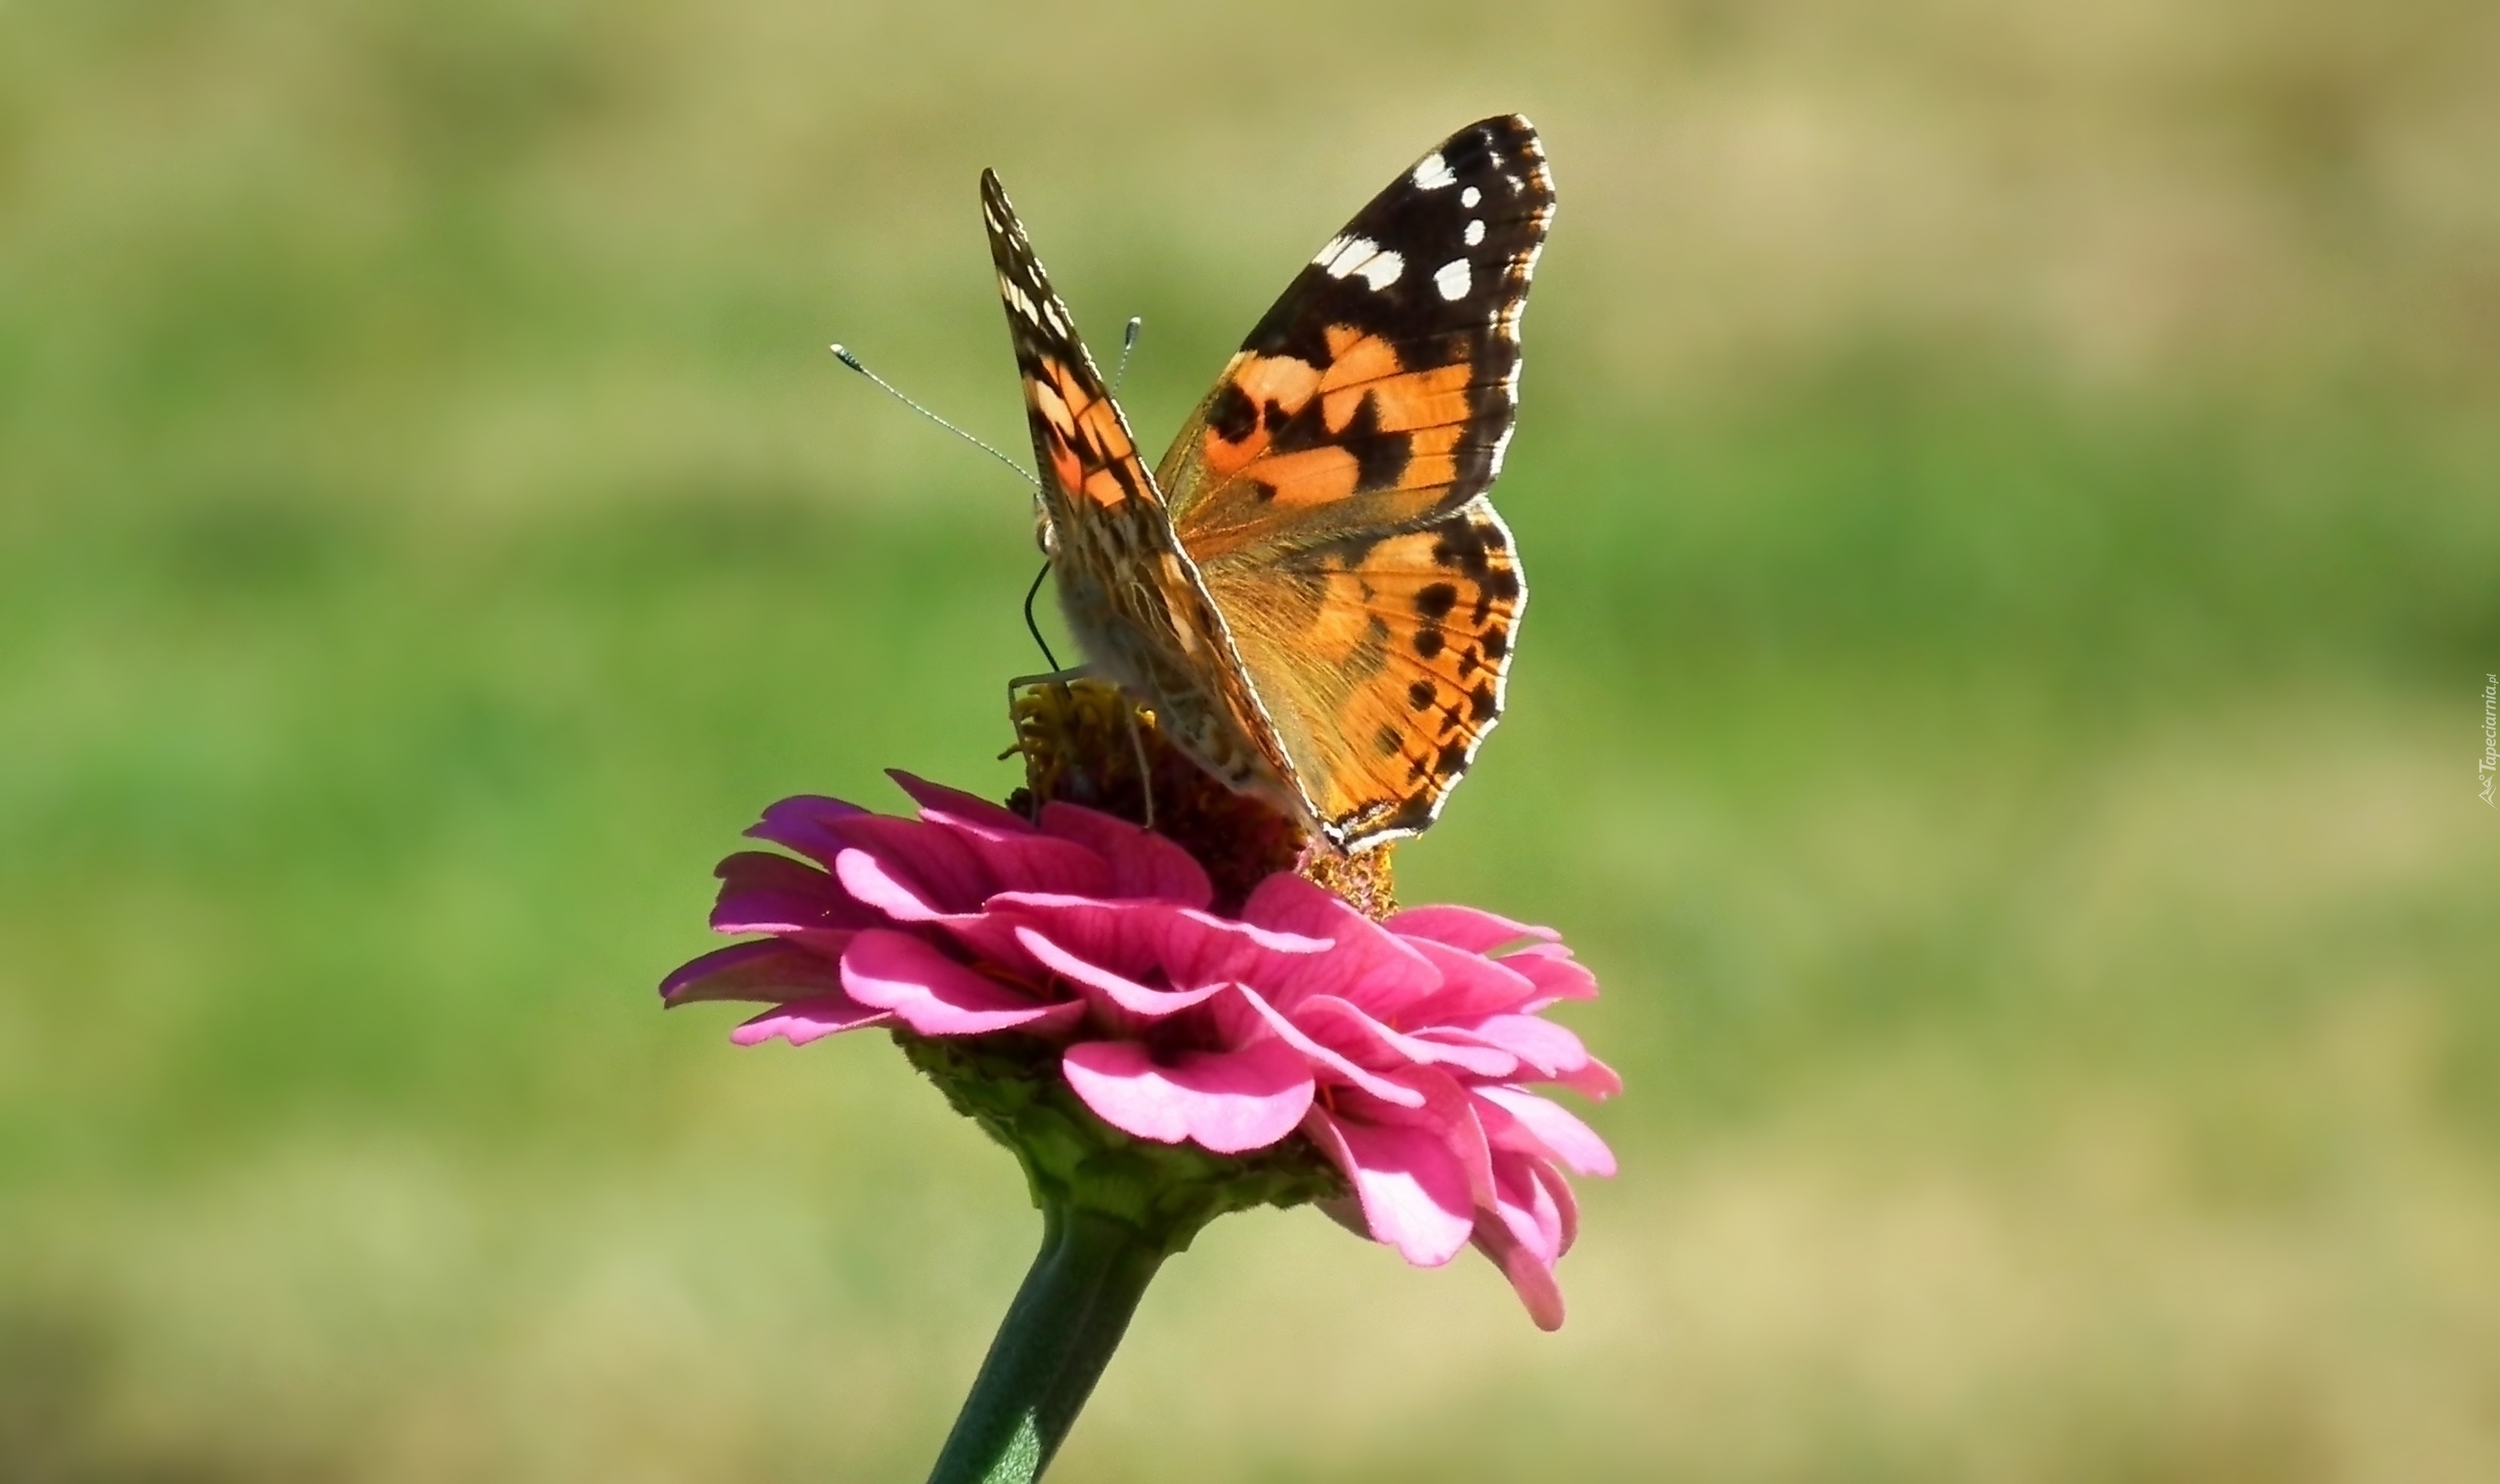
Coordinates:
<point>1079,437</point>
<point>1130,593</point>
<point>1381,387</point>
<point>1330,489</point>
<point>1312,591</point>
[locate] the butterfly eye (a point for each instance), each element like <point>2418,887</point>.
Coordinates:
<point>1044,535</point>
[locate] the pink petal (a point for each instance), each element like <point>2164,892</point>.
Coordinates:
<point>1595,1080</point>
<point>1015,855</point>
<point>1143,865</point>
<point>963,809</point>
<point>1464,927</point>
<point>1555,973</point>
<point>1552,1049</point>
<point>936,995</point>
<point>990,937</point>
<point>1528,1207</point>
<point>1472,985</point>
<point>1365,966</point>
<point>917,871</point>
<point>769,971</point>
<point>804,822</point>
<point>1225,1100</point>
<point>805,1020</point>
<point>909,871</point>
<point>1533,1125</point>
<point>1036,863</point>
<point>1564,1203</point>
<point>1091,980</point>
<point>1531,1278</point>
<point>1245,1015</point>
<point>1333,1022</point>
<point>1413,1190</point>
<point>1140,940</point>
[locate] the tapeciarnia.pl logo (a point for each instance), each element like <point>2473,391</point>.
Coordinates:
<point>2490,735</point>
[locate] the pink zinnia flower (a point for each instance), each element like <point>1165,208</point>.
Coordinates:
<point>1403,1050</point>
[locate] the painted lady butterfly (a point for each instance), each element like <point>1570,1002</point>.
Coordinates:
<point>1312,591</point>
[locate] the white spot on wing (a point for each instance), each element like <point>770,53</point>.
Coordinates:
<point>1469,197</point>
<point>1432,171</point>
<point>1476,232</point>
<point>1451,277</point>
<point>1381,270</point>
<point>1344,254</point>
<point>1501,446</point>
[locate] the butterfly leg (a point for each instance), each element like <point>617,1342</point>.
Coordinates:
<point>1145,774</point>
<point>1015,683</point>
<point>1058,678</point>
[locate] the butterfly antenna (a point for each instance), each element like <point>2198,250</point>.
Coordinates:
<point>1128,343</point>
<point>842,354</point>
<point>1031,626</point>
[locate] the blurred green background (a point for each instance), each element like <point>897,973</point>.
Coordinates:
<point>2013,496</point>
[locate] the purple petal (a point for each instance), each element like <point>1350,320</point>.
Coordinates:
<point>805,1020</point>
<point>937,996</point>
<point>761,892</point>
<point>1464,927</point>
<point>805,823</point>
<point>1226,1100</point>
<point>768,970</point>
<point>1532,1125</point>
<point>1143,865</point>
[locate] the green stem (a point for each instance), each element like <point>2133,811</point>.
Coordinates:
<point>1058,1335</point>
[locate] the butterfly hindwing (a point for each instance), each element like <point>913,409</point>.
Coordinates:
<point>1383,663</point>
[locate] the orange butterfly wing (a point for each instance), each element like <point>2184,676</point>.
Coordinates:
<point>1330,490</point>
<point>1130,592</point>
<point>1312,591</point>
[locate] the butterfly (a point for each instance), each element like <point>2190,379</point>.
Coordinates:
<point>1311,591</point>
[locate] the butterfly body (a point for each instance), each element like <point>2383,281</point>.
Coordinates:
<point>1312,590</point>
